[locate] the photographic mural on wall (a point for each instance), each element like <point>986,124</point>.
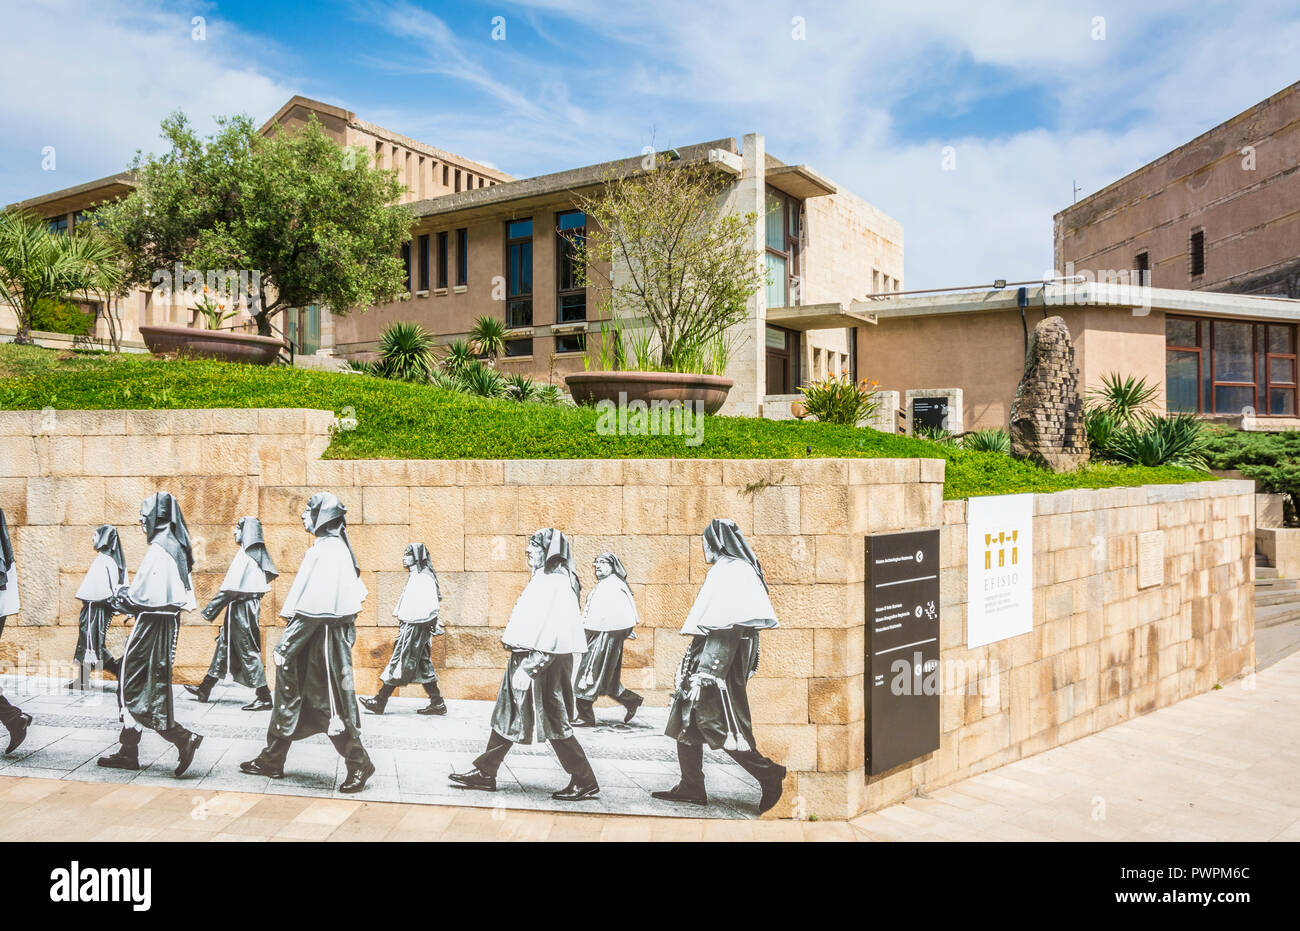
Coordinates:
<point>314,682</point>
<point>238,653</point>
<point>12,717</point>
<point>161,591</point>
<point>417,614</point>
<point>536,700</point>
<point>98,590</point>
<point>608,618</point>
<point>710,704</point>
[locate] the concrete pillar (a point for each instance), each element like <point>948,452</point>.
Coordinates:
<point>748,364</point>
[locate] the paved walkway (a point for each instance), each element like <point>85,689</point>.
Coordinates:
<point>1221,766</point>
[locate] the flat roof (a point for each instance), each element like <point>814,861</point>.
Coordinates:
<point>124,180</point>
<point>1088,294</point>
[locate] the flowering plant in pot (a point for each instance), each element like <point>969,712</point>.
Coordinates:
<point>672,274</point>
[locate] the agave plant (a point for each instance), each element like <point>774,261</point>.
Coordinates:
<point>1174,440</point>
<point>489,334</point>
<point>550,395</point>
<point>439,378</point>
<point>478,379</point>
<point>992,440</point>
<point>405,352</point>
<point>521,387</point>
<point>362,366</point>
<point>457,356</point>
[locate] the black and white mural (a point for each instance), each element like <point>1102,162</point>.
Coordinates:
<point>97,593</point>
<point>417,612</point>
<point>13,718</point>
<point>608,618</point>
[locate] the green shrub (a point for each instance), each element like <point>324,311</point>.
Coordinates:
<point>1271,459</point>
<point>1176,440</point>
<point>481,381</point>
<point>1124,398</point>
<point>405,352</point>
<point>61,317</point>
<point>840,400</point>
<point>489,335</point>
<point>520,387</point>
<point>991,440</point>
<point>457,355</point>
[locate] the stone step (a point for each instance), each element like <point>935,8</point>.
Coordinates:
<point>1272,615</point>
<point>1268,599</point>
<point>1265,572</point>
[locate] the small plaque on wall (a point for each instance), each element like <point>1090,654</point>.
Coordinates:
<point>1151,559</point>
<point>903,680</point>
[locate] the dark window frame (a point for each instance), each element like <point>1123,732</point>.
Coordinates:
<point>521,297</point>
<point>462,257</point>
<point>1262,386</point>
<point>791,207</point>
<point>1142,264</point>
<point>406,263</point>
<point>564,240</point>
<point>442,261</point>
<point>1196,253</point>
<point>424,261</point>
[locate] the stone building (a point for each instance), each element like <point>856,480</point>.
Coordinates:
<point>484,243</point>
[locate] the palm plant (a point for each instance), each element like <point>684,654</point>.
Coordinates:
<point>405,352</point>
<point>478,379</point>
<point>457,356</point>
<point>489,334</point>
<point>37,265</point>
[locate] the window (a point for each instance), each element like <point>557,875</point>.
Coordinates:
<point>571,292</point>
<point>781,235</point>
<point>462,257</point>
<point>480,182</point>
<point>1142,262</point>
<point>442,260</point>
<point>406,263</point>
<point>571,342</point>
<point>457,180</point>
<point>469,180</point>
<point>519,273</point>
<point>518,347</point>
<point>1230,366</point>
<point>81,217</point>
<point>444,175</point>
<point>424,262</point>
<point>58,224</point>
<point>1197,249</point>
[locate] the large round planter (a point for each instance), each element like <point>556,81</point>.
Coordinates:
<point>213,344</point>
<point>711,390</point>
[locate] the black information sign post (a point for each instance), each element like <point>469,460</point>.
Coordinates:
<point>903,674</point>
<point>929,414</point>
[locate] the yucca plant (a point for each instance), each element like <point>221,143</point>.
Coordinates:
<point>489,334</point>
<point>1173,440</point>
<point>990,440</point>
<point>405,352</point>
<point>477,379</point>
<point>521,387</point>
<point>439,378</point>
<point>1124,397</point>
<point>550,395</point>
<point>457,356</point>
<point>840,400</point>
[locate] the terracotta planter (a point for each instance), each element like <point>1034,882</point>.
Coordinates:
<point>213,344</point>
<point>650,386</point>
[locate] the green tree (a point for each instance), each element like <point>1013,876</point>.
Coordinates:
<point>315,220</point>
<point>38,267</point>
<point>679,263</point>
<point>1271,459</point>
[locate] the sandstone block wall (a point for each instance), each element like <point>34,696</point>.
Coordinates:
<point>1101,650</point>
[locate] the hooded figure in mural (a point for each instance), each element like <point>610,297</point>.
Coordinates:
<point>608,619</point>
<point>161,591</point>
<point>314,691</point>
<point>105,577</point>
<point>417,614</point>
<point>11,716</point>
<point>238,653</point>
<point>535,701</point>
<point>710,705</point>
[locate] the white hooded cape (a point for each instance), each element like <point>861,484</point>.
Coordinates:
<point>326,585</point>
<point>732,596</point>
<point>610,606</point>
<point>419,601</point>
<point>245,575</point>
<point>9,597</point>
<point>100,583</point>
<point>158,583</point>
<point>546,616</point>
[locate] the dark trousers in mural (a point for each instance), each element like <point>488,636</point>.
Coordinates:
<point>567,749</point>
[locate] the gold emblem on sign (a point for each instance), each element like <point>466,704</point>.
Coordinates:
<point>1003,544</point>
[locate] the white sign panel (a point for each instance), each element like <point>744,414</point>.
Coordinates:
<point>999,568</point>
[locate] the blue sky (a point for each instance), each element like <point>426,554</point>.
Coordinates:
<point>1032,96</point>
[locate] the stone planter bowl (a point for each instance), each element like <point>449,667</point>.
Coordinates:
<point>650,386</point>
<point>213,344</point>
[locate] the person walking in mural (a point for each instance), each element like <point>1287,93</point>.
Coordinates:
<point>103,580</point>
<point>710,705</point>
<point>314,690</point>
<point>12,717</point>
<point>608,619</point>
<point>238,653</point>
<point>417,612</point>
<point>161,591</point>
<point>535,701</point>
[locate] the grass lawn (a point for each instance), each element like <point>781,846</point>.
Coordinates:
<point>405,421</point>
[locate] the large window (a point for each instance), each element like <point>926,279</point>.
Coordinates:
<point>1230,366</point>
<point>59,224</point>
<point>462,257</point>
<point>424,262</point>
<point>406,264</point>
<point>571,294</point>
<point>442,261</point>
<point>519,273</point>
<point>781,234</point>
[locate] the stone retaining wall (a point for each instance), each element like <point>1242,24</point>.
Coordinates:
<point>1100,650</point>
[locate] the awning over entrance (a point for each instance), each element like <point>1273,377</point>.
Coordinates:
<point>818,316</point>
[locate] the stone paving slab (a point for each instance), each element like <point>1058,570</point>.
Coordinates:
<point>412,754</point>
